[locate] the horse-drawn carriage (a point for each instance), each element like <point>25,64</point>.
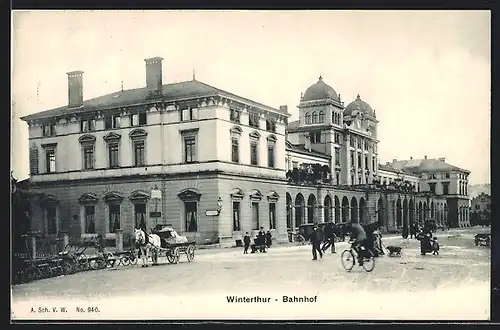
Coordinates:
<point>165,242</point>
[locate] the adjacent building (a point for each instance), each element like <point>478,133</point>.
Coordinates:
<point>480,211</point>
<point>214,165</point>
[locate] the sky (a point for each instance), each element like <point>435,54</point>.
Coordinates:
<point>426,73</point>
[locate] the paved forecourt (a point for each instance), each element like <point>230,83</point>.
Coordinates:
<point>283,271</point>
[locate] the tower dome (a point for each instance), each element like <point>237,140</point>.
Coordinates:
<point>319,91</point>
<point>359,105</point>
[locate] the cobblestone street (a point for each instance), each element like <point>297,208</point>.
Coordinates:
<point>447,282</point>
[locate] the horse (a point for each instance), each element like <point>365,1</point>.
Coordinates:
<point>147,242</point>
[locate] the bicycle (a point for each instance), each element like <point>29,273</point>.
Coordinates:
<point>349,257</point>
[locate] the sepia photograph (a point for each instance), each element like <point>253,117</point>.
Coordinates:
<point>250,165</point>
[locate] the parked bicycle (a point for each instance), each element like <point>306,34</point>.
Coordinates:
<point>349,257</point>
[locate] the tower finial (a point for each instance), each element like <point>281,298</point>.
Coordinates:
<point>194,74</point>
<point>320,77</point>
<point>358,97</point>
<point>122,85</point>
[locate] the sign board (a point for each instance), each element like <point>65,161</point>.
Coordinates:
<point>155,214</point>
<point>211,213</point>
<point>156,194</point>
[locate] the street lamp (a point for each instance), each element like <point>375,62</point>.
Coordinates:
<point>219,205</point>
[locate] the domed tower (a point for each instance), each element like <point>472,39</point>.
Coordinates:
<point>320,104</point>
<point>320,124</point>
<point>361,124</point>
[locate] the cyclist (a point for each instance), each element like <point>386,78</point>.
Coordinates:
<point>358,240</point>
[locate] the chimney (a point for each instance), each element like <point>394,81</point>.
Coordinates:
<point>75,89</point>
<point>425,157</point>
<point>154,73</point>
<point>284,108</point>
<point>387,163</point>
<point>442,159</point>
<point>394,161</point>
<point>411,157</point>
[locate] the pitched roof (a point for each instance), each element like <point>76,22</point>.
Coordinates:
<point>389,168</point>
<point>425,166</point>
<point>170,92</point>
<point>300,148</point>
<point>293,124</point>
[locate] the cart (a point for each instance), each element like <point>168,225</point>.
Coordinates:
<point>172,245</point>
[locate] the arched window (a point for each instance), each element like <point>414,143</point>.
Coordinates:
<point>308,118</point>
<point>314,118</point>
<point>321,118</point>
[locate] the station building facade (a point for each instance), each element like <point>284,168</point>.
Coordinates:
<point>218,164</point>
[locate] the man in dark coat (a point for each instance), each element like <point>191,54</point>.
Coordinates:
<point>269,239</point>
<point>316,239</point>
<point>261,239</point>
<point>246,243</point>
<point>330,237</point>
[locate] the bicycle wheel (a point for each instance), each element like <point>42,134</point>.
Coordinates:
<point>369,261</point>
<point>348,259</point>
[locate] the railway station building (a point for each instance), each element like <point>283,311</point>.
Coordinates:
<point>215,165</point>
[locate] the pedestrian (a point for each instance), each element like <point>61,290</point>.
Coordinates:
<point>246,243</point>
<point>316,239</point>
<point>269,238</point>
<point>435,246</point>
<point>330,237</point>
<point>261,239</point>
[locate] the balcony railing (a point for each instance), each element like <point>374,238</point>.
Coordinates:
<point>310,174</point>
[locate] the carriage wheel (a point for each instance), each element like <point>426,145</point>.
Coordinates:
<point>83,263</point>
<point>171,256</point>
<point>124,260</point>
<point>190,253</point>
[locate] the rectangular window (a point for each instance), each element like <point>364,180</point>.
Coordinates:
<point>270,126</point>
<point>191,216</point>
<point>446,188</point>
<point>270,156</point>
<point>140,215</point>
<point>49,130</point>
<point>108,122</point>
<point>352,158</point>
<point>235,150</point>
<point>366,162</point>
<point>337,138</point>
<point>87,125</point>
<point>255,216</point>
<point>185,114</point>
<point>114,217</point>
<point>113,155</point>
<point>89,219</point>
<point>88,157</point>
<point>236,216</point>
<point>447,175</point>
<point>253,120</point>
<point>190,149</point>
<point>337,177</point>
<point>138,119</point>
<point>234,116</point>
<point>432,188</point>
<point>359,160</point>
<point>337,156</point>
<point>315,137</point>
<point>254,153</point>
<point>112,122</point>
<point>272,215</point>
<point>51,220</point>
<point>139,153</point>
<point>50,161</point>
<point>33,157</point>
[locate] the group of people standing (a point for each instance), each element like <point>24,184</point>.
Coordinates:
<point>263,240</point>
